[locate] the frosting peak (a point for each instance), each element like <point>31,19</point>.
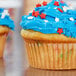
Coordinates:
<point>54,17</point>
<point>5,19</point>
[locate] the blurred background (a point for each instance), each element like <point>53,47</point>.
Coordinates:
<point>15,61</point>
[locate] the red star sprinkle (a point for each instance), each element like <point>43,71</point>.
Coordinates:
<point>60,30</point>
<point>56,3</point>
<point>61,1</point>
<point>44,3</point>
<point>35,13</point>
<point>43,16</point>
<point>60,10</point>
<point>38,5</point>
<point>75,23</point>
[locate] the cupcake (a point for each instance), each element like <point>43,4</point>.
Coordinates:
<point>6,24</point>
<point>49,33</point>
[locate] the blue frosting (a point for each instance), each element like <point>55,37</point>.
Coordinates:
<point>6,20</point>
<point>66,20</point>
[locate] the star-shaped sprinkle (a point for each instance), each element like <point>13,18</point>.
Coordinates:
<point>57,19</point>
<point>44,3</point>
<point>65,8</point>
<point>38,5</point>
<point>30,17</point>
<point>35,13</point>
<point>75,23</point>
<point>61,1</point>
<point>46,20</point>
<point>71,19</point>
<point>60,30</point>
<point>56,3</point>
<point>60,10</point>
<point>43,16</point>
<point>55,7</point>
<point>4,14</point>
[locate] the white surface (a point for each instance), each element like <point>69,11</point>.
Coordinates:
<point>71,2</point>
<point>10,3</point>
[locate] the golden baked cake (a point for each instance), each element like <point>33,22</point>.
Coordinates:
<point>49,33</point>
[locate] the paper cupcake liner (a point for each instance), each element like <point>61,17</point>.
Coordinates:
<point>51,55</point>
<point>2,44</point>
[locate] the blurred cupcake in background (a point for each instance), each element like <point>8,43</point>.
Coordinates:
<point>6,25</point>
<point>49,33</point>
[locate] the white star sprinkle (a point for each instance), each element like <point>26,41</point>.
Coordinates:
<point>65,8</point>
<point>57,19</point>
<point>4,14</point>
<point>30,17</point>
<point>46,20</point>
<point>71,19</point>
<point>55,8</point>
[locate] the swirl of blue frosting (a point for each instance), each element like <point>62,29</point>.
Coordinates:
<point>54,20</point>
<point>5,19</point>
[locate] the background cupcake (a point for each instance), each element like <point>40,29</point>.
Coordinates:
<point>6,24</point>
<point>49,34</point>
